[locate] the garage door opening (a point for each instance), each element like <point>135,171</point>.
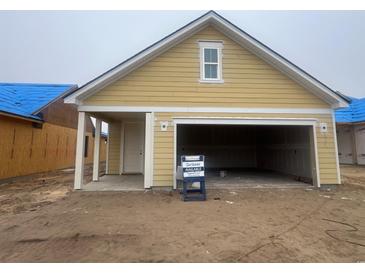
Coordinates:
<point>250,155</point>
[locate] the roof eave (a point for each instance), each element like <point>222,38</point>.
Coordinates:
<point>342,104</point>
<point>18,116</point>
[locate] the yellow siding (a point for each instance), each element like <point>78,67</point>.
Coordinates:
<point>172,79</point>
<point>114,147</point>
<point>164,148</point>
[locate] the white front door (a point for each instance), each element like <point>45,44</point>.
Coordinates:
<point>133,147</point>
<point>344,140</point>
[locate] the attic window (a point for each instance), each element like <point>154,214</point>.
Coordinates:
<point>211,62</point>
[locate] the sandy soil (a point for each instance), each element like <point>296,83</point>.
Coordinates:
<point>46,222</point>
<point>28,193</point>
<point>353,175</point>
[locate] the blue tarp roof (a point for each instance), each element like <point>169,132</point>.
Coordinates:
<point>25,99</point>
<point>353,114</point>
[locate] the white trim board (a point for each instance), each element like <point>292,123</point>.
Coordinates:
<point>249,121</point>
<point>107,153</point>
<point>231,31</point>
<point>245,121</point>
<point>336,148</point>
<point>121,148</point>
<point>152,146</point>
<point>315,143</point>
<point>148,152</point>
<point>96,157</point>
<point>94,108</point>
<point>80,150</point>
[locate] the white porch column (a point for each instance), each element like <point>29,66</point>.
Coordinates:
<point>96,159</point>
<point>148,156</point>
<point>80,151</point>
<point>107,152</point>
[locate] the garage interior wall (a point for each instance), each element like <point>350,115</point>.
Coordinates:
<point>223,146</point>
<point>285,149</point>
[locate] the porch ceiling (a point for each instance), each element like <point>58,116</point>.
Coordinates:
<point>118,116</point>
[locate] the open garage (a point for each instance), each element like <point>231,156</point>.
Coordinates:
<point>251,154</point>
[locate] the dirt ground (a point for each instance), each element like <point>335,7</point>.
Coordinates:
<point>43,220</point>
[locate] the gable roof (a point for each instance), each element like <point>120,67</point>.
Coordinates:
<point>212,18</point>
<point>27,100</point>
<point>355,113</point>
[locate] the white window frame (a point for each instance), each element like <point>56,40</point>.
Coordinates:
<point>218,45</point>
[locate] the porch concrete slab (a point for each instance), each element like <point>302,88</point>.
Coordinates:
<point>116,183</point>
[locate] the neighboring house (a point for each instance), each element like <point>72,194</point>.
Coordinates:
<point>38,130</point>
<point>210,88</point>
<point>351,132</point>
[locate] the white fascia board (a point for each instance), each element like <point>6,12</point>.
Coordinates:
<point>340,105</point>
<point>89,108</point>
<point>245,121</point>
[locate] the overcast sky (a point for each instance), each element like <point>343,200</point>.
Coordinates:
<point>74,47</point>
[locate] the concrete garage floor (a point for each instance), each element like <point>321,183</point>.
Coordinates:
<point>117,183</point>
<point>251,178</point>
<point>235,179</point>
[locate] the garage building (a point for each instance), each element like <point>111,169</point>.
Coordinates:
<point>210,88</point>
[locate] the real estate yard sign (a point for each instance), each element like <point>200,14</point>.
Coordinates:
<point>193,167</point>
<point>193,172</point>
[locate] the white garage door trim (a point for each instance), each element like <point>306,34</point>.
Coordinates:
<point>246,121</point>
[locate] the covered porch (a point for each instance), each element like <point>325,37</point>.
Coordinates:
<point>129,152</point>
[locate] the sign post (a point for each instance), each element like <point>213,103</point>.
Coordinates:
<point>193,172</point>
